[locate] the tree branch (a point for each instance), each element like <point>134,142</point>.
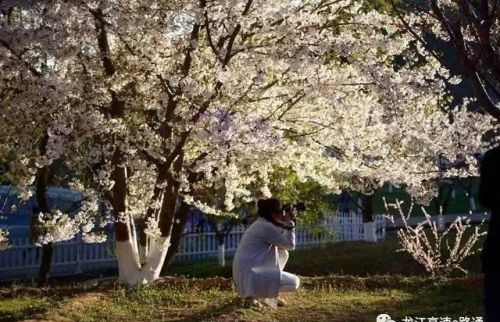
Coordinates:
<point>19,57</point>
<point>102,41</point>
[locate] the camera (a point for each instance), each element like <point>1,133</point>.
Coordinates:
<point>289,208</point>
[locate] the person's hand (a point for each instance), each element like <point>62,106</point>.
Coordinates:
<point>292,215</point>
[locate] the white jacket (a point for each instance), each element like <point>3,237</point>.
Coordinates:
<point>260,258</point>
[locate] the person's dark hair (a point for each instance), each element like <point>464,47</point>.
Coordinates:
<point>267,207</point>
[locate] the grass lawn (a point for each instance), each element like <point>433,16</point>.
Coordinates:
<point>327,298</point>
<point>344,258</point>
<point>340,282</point>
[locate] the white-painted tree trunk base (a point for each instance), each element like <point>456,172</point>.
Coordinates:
<point>157,252</point>
<point>472,204</point>
<point>129,268</point>
<point>128,262</point>
<point>370,233</point>
<point>143,253</point>
<point>441,225</point>
<point>222,255</point>
<point>78,265</point>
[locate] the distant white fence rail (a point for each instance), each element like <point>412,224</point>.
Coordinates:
<point>22,259</point>
<point>334,228</point>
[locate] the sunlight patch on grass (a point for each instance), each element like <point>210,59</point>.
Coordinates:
<point>22,307</point>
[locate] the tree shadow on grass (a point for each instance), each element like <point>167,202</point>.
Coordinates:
<point>222,312</point>
<point>29,313</point>
<point>31,303</point>
<point>452,300</point>
<point>232,312</point>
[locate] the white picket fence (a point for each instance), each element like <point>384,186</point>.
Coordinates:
<point>22,259</point>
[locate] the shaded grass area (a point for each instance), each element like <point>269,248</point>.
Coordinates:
<point>18,308</point>
<point>24,301</point>
<point>327,298</point>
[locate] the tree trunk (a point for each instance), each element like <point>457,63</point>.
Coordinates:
<point>221,254</point>
<point>441,225</point>
<point>176,238</point>
<point>132,270</point>
<point>443,199</point>
<point>43,273</point>
<point>367,207</point>
<point>42,178</point>
<point>472,203</point>
<point>369,227</point>
<point>143,240</point>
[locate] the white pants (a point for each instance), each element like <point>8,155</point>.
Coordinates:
<point>288,282</point>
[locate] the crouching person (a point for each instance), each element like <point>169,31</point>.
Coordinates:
<point>262,254</point>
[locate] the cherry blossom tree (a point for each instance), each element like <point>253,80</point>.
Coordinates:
<point>470,29</point>
<point>441,251</point>
<point>152,103</point>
